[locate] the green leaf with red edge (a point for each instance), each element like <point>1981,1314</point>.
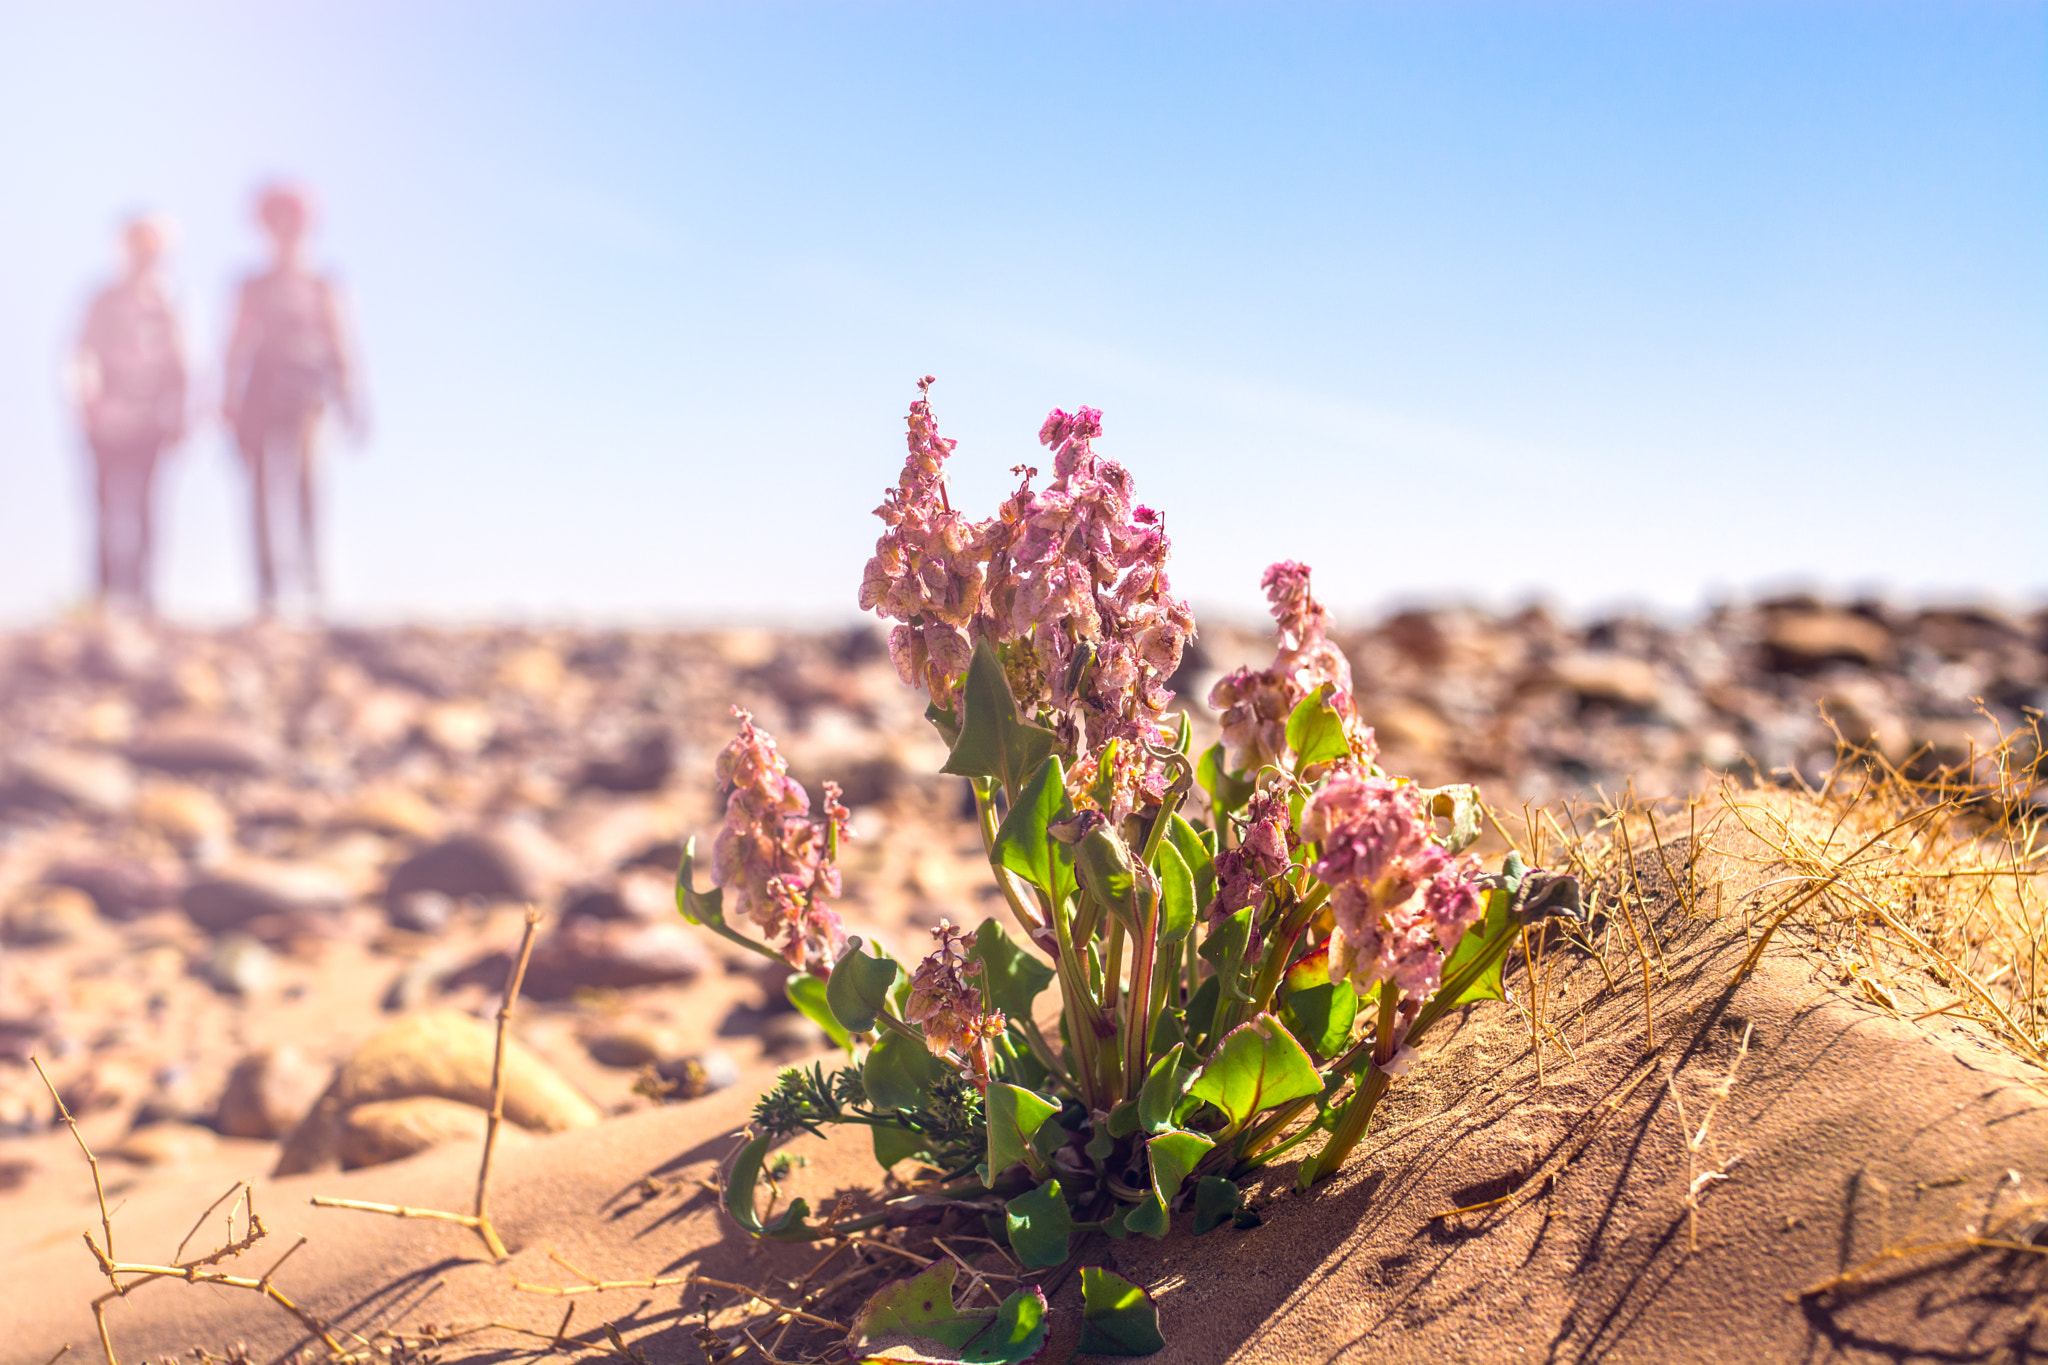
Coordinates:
<point>1256,1066</point>
<point>1118,1318</point>
<point>916,1320</point>
<point>1040,1226</point>
<point>1315,732</point>
<point>1014,1117</point>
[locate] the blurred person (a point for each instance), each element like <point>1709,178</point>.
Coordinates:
<point>129,380</point>
<point>288,358</point>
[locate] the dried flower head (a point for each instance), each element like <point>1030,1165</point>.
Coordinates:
<point>946,1003</point>
<point>1261,854</point>
<point>779,865</point>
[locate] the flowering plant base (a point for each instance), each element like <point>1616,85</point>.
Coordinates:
<point>1244,947</point>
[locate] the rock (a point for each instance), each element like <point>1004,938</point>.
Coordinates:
<point>43,915</point>
<point>394,810</point>
<point>700,1075</point>
<point>1405,724</point>
<point>459,729</point>
<point>268,1093</point>
<point>20,1034</point>
<point>165,1144</point>
<point>176,1099</point>
<point>787,1036</point>
<point>444,1054</point>
<point>1804,641</point>
<point>535,670</point>
<point>96,783</point>
<point>421,912</point>
<point>631,1047</point>
<point>188,816</point>
<point>644,767</point>
<point>590,954</point>
<point>418,981</point>
<point>648,897</point>
<point>123,888</point>
<point>239,965</point>
<point>1616,679</point>
<point>292,897</point>
<point>465,865</point>
<point>204,747</point>
<point>391,1130</point>
<point>111,720</point>
<point>119,887</point>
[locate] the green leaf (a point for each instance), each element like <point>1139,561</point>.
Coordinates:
<point>1040,1226</point>
<point>859,987</point>
<point>1172,1156</point>
<point>893,1144</point>
<point>945,720</point>
<point>1495,926</point>
<point>916,1320</point>
<point>1014,1117</point>
<point>1224,950</point>
<point>1013,977</point>
<point>1321,1016</point>
<point>1023,844</point>
<point>1310,969</point>
<point>1176,894</point>
<point>1458,803</point>
<point>1256,1066</point>
<point>1104,861</point>
<point>1122,1120</point>
<point>1202,1008</point>
<point>1161,1093</point>
<point>1117,1317</point>
<point>1226,790</point>
<point>1200,858</point>
<point>1315,732</point>
<point>899,1073</point>
<point>807,993</point>
<point>993,741</point>
<point>739,1198</point>
<point>1216,1202</point>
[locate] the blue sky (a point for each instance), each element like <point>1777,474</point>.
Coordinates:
<point>1604,303</point>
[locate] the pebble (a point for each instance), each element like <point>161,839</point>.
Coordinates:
<point>123,888</point>
<point>268,1092</point>
<point>240,965</point>
<point>1804,641</point>
<point>391,1130</point>
<point>591,954</point>
<point>421,912</point>
<point>95,783</point>
<point>204,747</point>
<point>188,816</point>
<point>294,896</point>
<point>465,865</point>
<point>44,915</point>
<point>165,1144</point>
<point>645,766</point>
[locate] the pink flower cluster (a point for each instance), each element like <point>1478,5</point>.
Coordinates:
<point>1260,855</point>
<point>1077,569</point>
<point>1401,902</point>
<point>929,566</point>
<point>946,1003</point>
<point>1256,703</point>
<point>778,864</point>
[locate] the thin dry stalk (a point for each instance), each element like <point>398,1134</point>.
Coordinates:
<point>99,1189</point>
<point>480,1220</point>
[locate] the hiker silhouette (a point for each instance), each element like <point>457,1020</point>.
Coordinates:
<point>288,359</point>
<point>129,382</point>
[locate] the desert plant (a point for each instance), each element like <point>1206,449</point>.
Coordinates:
<point>1238,971</point>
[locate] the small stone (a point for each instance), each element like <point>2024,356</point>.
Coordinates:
<point>166,1144</point>
<point>1805,641</point>
<point>394,810</point>
<point>1616,679</point>
<point>700,1075</point>
<point>421,912</point>
<point>96,783</point>
<point>391,1130</point>
<point>630,1048</point>
<point>535,670</point>
<point>787,1036</point>
<point>644,767</point>
<point>268,1093</point>
<point>239,965</point>
<point>123,888</point>
<point>590,954</point>
<point>44,915</point>
<point>465,865</point>
<point>204,747</point>
<point>459,729</point>
<point>295,897</point>
<point>188,816</point>
<point>445,1054</point>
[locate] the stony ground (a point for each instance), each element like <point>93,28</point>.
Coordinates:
<point>229,859</point>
